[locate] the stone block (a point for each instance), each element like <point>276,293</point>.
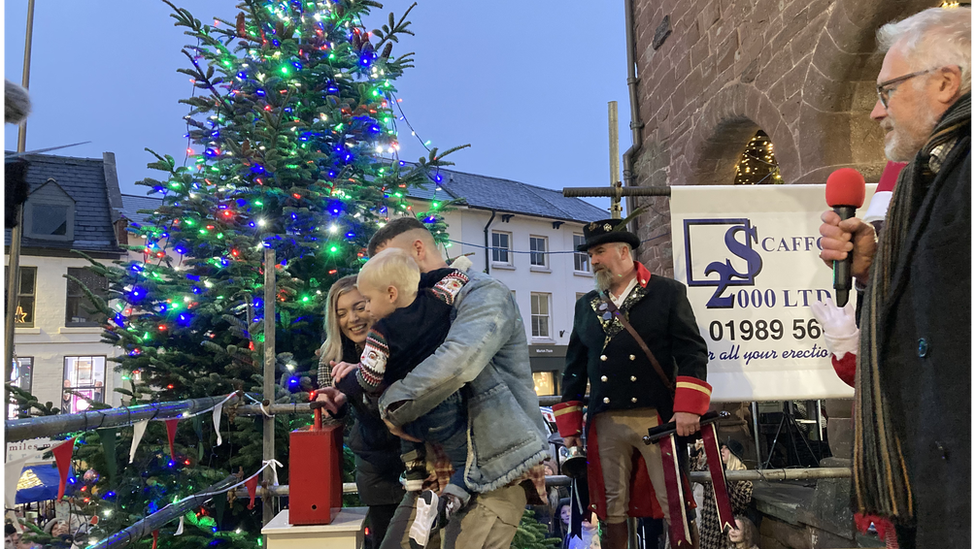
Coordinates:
<point>662,32</point>
<point>840,437</point>
<point>831,505</point>
<point>838,407</point>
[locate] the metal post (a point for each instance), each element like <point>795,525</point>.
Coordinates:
<point>13,265</point>
<point>270,293</point>
<point>615,210</point>
<point>755,433</point>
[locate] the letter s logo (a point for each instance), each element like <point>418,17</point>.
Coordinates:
<point>727,274</point>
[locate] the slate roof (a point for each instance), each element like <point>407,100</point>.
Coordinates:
<point>507,196</point>
<point>132,203</point>
<point>85,181</point>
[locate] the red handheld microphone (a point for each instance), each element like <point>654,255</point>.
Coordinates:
<point>845,194</point>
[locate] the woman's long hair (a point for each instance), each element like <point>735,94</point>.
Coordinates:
<point>750,534</point>
<point>332,348</point>
<point>735,464</point>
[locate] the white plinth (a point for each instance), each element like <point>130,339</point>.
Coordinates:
<point>343,533</point>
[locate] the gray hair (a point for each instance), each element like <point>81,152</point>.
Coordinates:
<point>936,37</point>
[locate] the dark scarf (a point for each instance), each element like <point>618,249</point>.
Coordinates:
<point>881,481</point>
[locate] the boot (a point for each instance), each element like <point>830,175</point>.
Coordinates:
<point>617,536</point>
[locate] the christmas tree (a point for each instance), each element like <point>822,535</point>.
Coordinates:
<point>757,165</point>
<point>293,146</point>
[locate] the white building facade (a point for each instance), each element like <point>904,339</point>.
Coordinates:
<point>524,236</point>
<point>74,204</point>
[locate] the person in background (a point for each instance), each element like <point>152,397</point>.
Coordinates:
<point>413,315</point>
<point>740,495</point>
<point>912,448</point>
<point>376,451</point>
<point>630,391</point>
<point>591,534</point>
<point>486,350</point>
<point>744,535</point>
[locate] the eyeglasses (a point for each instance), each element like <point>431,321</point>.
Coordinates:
<point>885,88</point>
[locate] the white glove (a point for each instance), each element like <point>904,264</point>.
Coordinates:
<point>841,335</point>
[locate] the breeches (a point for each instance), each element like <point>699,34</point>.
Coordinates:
<point>619,434</point>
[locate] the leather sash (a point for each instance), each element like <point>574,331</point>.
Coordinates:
<point>717,472</point>
<point>679,533</point>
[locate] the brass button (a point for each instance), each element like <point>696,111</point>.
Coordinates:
<point>633,378</point>
<point>603,378</point>
<point>606,400</point>
<point>634,399</point>
<point>632,357</point>
<point>603,358</point>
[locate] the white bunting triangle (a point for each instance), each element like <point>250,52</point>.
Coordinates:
<point>138,430</point>
<point>216,421</point>
<point>11,475</point>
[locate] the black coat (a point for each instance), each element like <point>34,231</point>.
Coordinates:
<point>620,374</point>
<point>925,354</point>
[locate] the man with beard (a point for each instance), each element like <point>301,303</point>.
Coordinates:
<point>912,400</point>
<point>632,380</point>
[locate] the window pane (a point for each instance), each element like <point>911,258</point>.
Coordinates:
<point>78,309</point>
<point>537,244</point>
<point>85,376</point>
<point>581,261</point>
<point>47,219</point>
<point>25,310</point>
<point>543,382</point>
<point>20,376</point>
<point>28,280</point>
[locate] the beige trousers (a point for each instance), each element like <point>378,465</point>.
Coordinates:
<point>619,433</point>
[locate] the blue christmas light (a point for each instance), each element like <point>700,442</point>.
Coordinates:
<point>259,92</point>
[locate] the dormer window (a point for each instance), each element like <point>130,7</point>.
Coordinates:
<point>49,213</point>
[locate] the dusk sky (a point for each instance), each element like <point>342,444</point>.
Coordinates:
<point>526,83</point>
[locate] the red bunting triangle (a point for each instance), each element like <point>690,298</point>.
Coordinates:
<point>252,489</point>
<point>62,456</point>
<point>171,434</point>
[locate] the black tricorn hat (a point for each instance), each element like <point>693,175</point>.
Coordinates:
<point>606,231</point>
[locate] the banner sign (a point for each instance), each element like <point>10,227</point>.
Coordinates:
<point>750,258</point>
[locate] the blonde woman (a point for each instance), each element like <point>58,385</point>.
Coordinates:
<point>377,452</point>
<point>740,495</point>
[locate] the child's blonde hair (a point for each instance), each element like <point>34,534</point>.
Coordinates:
<point>391,267</point>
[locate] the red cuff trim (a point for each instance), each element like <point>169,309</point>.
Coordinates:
<point>569,418</point>
<point>692,395</point>
<point>845,367</point>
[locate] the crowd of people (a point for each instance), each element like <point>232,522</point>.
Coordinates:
<point>432,360</point>
<point>444,363</point>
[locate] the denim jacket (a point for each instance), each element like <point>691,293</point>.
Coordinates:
<point>486,353</point>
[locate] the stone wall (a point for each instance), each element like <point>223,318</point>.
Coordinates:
<point>711,73</point>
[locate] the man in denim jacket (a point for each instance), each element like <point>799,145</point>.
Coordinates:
<point>486,353</point>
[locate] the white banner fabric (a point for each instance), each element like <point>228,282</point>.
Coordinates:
<point>750,258</point>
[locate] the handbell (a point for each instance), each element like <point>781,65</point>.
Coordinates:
<point>574,466</point>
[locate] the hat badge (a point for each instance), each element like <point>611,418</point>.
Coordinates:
<point>593,226</point>
<point>607,227</point>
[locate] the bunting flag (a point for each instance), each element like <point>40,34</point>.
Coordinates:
<point>679,534</point>
<point>171,424</point>
<point>216,421</point>
<point>155,538</point>
<point>11,475</point>
<point>252,489</point>
<point>179,529</point>
<point>107,438</point>
<point>716,470</point>
<point>138,430</point>
<point>62,456</point>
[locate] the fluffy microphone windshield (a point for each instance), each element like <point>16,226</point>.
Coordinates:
<point>845,187</point>
<point>16,103</point>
